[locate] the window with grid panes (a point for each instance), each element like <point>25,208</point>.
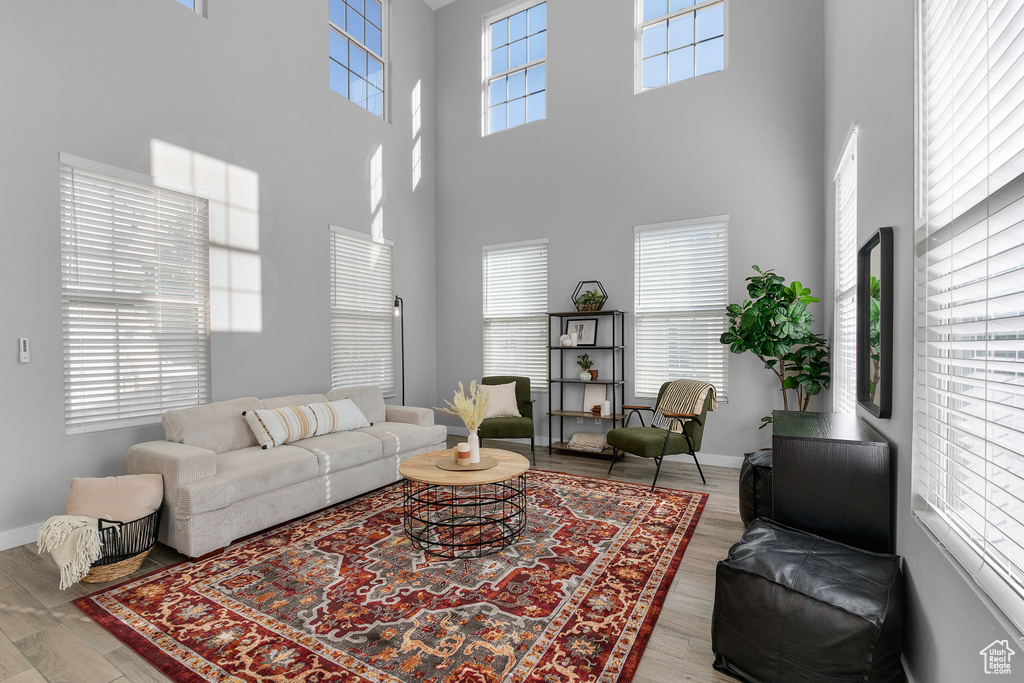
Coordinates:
<point>516,77</point>
<point>679,39</point>
<point>357,52</point>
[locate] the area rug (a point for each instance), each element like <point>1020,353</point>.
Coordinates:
<point>342,595</point>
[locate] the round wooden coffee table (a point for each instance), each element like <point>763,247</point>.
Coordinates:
<point>464,514</point>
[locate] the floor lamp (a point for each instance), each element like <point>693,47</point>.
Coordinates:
<point>399,309</point>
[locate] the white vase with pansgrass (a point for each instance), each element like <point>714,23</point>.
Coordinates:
<point>471,408</point>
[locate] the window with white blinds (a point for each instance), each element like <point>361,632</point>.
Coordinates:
<point>515,311</point>
<point>969,369</point>
<point>135,293</point>
<point>681,288</point>
<point>362,311</point>
<point>844,333</point>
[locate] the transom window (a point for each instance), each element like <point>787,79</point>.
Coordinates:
<point>516,79</point>
<point>357,52</point>
<point>679,39</point>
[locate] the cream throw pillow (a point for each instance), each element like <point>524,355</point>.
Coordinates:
<point>281,425</point>
<point>120,499</point>
<point>337,416</point>
<point>501,400</point>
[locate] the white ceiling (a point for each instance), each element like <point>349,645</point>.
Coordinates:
<point>437,4</point>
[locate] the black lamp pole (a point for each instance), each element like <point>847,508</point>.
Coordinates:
<point>399,311</point>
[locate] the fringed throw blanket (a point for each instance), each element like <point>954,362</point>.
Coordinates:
<point>683,396</point>
<point>74,543</point>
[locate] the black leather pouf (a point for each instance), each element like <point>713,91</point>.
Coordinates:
<point>792,607</point>
<point>756,486</point>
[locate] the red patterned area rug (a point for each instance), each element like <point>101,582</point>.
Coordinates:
<point>342,595</point>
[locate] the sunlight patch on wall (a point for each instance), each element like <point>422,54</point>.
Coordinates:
<point>417,121</point>
<point>377,194</point>
<point>236,283</point>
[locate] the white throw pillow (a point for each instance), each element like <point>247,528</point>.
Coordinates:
<point>337,416</point>
<point>501,400</point>
<point>278,426</point>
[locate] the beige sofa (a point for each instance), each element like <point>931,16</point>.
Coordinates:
<point>219,485</point>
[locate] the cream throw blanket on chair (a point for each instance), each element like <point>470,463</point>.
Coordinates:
<point>683,396</point>
<point>74,543</point>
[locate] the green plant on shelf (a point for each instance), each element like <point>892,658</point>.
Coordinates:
<point>590,300</point>
<point>583,360</point>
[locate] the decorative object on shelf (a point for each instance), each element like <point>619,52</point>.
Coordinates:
<point>596,410</point>
<point>583,360</point>
<point>593,442</point>
<point>775,326</point>
<point>471,408</point>
<point>566,340</point>
<point>583,331</point>
<point>606,408</point>
<point>874,324</point>
<point>589,296</point>
<point>593,394</point>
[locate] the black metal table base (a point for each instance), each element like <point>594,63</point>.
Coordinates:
<point>465,521</point>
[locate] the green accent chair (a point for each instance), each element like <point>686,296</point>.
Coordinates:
<point>655,442</point>
<point>511,427</point>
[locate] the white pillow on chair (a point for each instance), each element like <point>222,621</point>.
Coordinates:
<point>501,400</point>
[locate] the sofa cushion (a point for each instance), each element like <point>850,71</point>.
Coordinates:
<point>218,427</point>
<point>293,400</point>
<point>337,416</point>
<point>369,399</point>
<point>401,437</point>
<point>342,450</point>
<point>277,426</point>
<point>245,473</point>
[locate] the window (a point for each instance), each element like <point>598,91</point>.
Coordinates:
<point>362,311</point>
<point>844,343</point>
<point>679,39</point>
<point>515,80</point>
<point>357,52</point>
<point>681,289</point>
<point>969,369</point>
<point>135,294</point>
<point>515,311</point>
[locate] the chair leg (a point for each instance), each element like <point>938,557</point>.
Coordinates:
<point>699,470</point>
<point>533,452</point>
<point>657,472</point>
<point>615,454</point>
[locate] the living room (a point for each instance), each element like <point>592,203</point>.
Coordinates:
<point>243,89</point>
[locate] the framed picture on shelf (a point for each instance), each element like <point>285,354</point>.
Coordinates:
<point>593,395</point>
<point>583,330</point>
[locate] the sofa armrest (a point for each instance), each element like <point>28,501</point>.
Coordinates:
<point>179,463</point>
<point>417,416</point>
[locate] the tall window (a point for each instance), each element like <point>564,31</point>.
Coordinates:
<point>135,292</point>
<point>681,288</point>
<point>515,311</point>
<point>362,311</point>
<point>357,52</point>
<point>969,369</point>
<point>679,39</point>
<point>515,81</point>
<point>844,342</point>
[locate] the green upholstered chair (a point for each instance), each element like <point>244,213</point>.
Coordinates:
<point>511,427</point>
<point>655,442</point>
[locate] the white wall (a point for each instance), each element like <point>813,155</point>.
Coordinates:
<point>870,82</point>
<point>746,142</point>
<point>248,85</point>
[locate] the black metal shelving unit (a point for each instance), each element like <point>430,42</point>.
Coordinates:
<point>613,353</point>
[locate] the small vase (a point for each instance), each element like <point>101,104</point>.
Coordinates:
<point>474,447</point>
<point>585,376</point>
<point>593,374</point>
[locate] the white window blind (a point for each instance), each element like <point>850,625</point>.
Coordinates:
<point>844,342</point>
<point>969,369</point>
<point>362,311</point>
<point>515,311</point>
<point>681,290</point>
<point>135,292</point>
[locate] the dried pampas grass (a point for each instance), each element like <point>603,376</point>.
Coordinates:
<point>470,407</point>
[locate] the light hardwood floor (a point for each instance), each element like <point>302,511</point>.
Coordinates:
<point>43,637</point>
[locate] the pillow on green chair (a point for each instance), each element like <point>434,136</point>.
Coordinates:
<point>501,400</point>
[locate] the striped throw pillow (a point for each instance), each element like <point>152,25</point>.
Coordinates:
<point>337,416</point>
<point>274,427</point>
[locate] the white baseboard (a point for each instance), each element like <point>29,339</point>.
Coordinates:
<point>16,537</point>
<point>733,461</point>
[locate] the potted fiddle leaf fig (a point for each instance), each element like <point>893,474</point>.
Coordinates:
<point>775,325</point>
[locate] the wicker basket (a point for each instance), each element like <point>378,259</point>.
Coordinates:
<point>125,545</point>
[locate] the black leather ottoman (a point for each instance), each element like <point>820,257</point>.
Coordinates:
<point>791,607</point>
<point>756,486</point>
